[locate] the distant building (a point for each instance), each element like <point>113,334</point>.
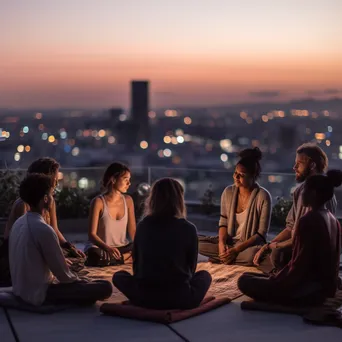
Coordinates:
<point>115,113</point>
<point>288,136</point>
<point>139,109</point>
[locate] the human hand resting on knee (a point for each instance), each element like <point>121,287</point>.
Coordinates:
<point>232,254</point>
<point>68,262</point>
<point>112,253</point>
<point>84,279</point>
<point>223,252</point>
<point>71,251</point>
<point>260,254</point>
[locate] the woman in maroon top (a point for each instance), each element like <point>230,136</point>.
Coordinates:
<point>312,274</point>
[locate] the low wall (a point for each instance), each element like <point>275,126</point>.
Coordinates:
<point>80,226</point>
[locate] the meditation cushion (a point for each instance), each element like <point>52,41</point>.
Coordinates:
<point>127,310</point>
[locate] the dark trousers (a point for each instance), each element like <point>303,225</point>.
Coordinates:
<point>185,296</point>
<point>80,292</point>
<point>276,260</point>
<point>208,246</point>
<point>5,275</point>
<point>265,289</point>
<point>96,256</point>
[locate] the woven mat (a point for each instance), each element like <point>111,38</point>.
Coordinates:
<point>224,282</point>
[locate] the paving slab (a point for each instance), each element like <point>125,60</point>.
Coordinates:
<point>230,323</point>
<point>5,330</point>
<point>86,324</point>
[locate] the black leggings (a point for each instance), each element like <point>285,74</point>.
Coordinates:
<point>96,256</point>
<point>262,288</point>
<point>79,292</point>
<point>183,296</point>
<point>5,275</point>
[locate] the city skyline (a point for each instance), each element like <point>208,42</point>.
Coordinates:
<point>81,53</point>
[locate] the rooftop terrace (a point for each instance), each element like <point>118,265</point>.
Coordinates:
<point>227,323</point>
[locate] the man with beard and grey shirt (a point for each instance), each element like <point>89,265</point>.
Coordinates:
<point>310,160</point>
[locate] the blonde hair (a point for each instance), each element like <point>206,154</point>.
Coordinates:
<point>166,199</point>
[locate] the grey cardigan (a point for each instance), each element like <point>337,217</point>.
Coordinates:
<point>258,215</point>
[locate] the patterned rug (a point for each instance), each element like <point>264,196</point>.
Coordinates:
<point>224,282</point>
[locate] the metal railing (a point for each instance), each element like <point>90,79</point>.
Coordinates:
<point>197,183</point>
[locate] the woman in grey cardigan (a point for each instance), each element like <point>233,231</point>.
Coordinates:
<point>245,215</point>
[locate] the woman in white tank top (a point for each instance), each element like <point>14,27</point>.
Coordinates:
<point>111,219</point>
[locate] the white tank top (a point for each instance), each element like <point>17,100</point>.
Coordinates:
<point>240,220</point>
<point>111,231</point>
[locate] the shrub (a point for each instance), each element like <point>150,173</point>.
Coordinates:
<point>208,202</point>
<point>9,190</point>
<point>280,211</point>
<point>71,203</point>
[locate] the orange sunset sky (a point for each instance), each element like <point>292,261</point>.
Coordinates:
<point>80,53</point>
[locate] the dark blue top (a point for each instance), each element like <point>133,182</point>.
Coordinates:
<point>165,251</point>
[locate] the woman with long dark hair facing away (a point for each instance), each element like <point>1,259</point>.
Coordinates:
<point>312,274</point>
<point>165,252</point>
<point>245,215</point>
<point>111,219</point>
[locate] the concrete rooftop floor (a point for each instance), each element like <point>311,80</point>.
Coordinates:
<point>228,323</point>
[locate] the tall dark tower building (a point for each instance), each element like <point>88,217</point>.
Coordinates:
<point>139,109</point>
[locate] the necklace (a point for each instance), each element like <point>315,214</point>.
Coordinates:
<point>243,200</point>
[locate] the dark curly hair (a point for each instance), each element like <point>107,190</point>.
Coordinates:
<point>250,159</point>
<point>34,187</point>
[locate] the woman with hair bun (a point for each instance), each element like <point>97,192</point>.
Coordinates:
<point>312,274</point>
<point>245,215</point>
<point>111,217</point>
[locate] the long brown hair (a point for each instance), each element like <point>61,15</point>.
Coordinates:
<point>166,199</point>
<point>114,170</point>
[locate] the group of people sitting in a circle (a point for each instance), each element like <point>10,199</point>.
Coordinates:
<point>299,266</point>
